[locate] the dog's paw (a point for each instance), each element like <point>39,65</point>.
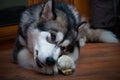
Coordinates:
<point>82,42</point>
<point>66,65</point>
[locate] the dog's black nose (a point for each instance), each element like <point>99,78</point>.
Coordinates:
<point>50,61</point>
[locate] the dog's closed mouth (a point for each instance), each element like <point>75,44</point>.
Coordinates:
<point>39,63</point>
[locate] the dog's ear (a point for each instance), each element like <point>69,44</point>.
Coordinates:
<point>82,29</point>
<point>47,12</point>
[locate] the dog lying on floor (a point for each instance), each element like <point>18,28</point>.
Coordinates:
<point>50,35</point>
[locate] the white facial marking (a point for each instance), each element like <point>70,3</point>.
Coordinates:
<point>56,53</point>
<point>44,48</point>
<point>59,36</point>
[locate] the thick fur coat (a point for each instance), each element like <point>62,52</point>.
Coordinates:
<point>50,35</point>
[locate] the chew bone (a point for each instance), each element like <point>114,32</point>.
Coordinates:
<point>66,65</point>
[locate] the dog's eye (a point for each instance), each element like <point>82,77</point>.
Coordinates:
<point>62,48</point>
<point>53,37</point>
<point>36,52</point>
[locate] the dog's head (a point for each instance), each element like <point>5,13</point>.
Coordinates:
<point>49,36</point>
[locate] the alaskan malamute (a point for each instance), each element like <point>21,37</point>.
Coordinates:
<point>50,35</point>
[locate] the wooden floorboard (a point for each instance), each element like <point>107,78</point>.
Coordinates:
<point>98,61</point>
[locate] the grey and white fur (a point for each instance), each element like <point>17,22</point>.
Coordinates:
<point>49,30</point>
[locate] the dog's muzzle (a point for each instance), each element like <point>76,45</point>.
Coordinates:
<point>50,61</point>
<point>39,63</point>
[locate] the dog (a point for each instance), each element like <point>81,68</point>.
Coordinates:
<point>50,35</point>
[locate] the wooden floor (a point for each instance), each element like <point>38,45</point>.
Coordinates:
<point>98,61</point>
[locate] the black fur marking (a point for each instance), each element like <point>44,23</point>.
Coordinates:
<point>64,7</point>
<point>39,63</point>
<point>28,25</point>
<point>37,52</point>
<point>16,50</point>
<point>80,23</point>
<point>18,46</point>
<point>21,33</point>
<point>70,48</point>
<point>41,27</point>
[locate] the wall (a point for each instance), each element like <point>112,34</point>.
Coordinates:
<point>82,6</point>
<point>11,3</point>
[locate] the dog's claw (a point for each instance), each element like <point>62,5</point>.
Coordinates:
<point>66,65</point>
